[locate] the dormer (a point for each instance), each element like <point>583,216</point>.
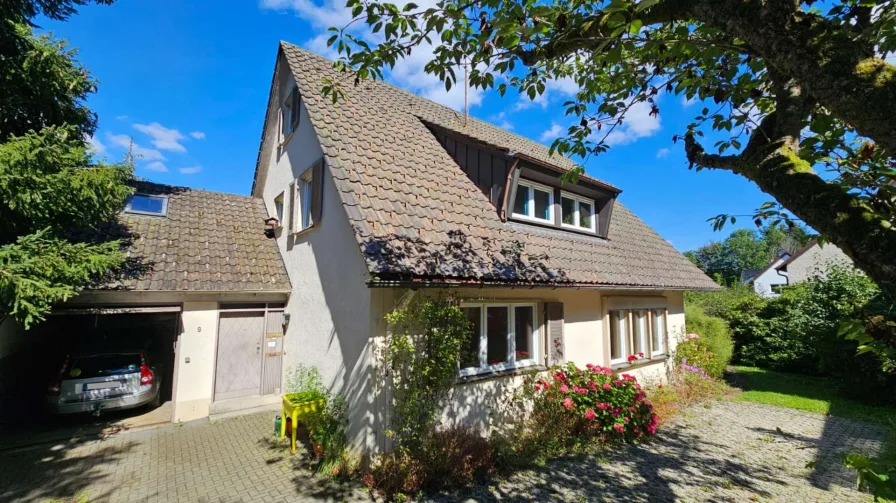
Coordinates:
<point>529,191</point>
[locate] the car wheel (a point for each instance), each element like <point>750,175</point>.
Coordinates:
<point>156,401</point>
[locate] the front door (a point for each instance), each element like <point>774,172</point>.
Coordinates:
<point>238,368</point>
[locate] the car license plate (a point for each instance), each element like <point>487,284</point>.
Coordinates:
<point>102,385</point>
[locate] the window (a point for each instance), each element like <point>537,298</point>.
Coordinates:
<point>300,211</point>
<point>534,202</point>
<point>278,208</point>
<point>634,331</point>
<point>502,336</point>
<point>577,212</point>
<point>145,204</point>
<point>289,113</point>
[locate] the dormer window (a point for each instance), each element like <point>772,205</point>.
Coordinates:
<point>577,212</point>
<point>146,204</point>
<point>534,202</point>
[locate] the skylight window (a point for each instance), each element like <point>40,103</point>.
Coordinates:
<point>145,204</point>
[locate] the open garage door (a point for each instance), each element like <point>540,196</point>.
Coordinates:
<point>89,340</point>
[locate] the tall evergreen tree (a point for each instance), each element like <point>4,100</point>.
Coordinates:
<point>52,193</point>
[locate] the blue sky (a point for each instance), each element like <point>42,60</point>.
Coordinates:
<point>189,84</point>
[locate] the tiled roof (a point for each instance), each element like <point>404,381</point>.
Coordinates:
<point>417,216</point>
<point>209,242</point>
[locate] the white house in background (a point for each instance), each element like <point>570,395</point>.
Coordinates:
<point>767,282</point>
<point>813,260</point>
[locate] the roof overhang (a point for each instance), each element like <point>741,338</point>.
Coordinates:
<point>458,283</point>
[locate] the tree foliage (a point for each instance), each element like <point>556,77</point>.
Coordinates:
<point>790,88</point>
<point>52,194</point>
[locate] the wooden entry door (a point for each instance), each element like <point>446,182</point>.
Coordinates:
<point>240,353</point>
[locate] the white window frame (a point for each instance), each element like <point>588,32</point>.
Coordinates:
<point>532,187</point>
<point>280,208</point>
<point>575,216</point>
<point>301,213</point>
<point>647,338</point>
<point>511,363</point>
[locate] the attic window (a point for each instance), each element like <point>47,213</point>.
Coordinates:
<point>145,204</point>
<point>289,113</point>
<point>534,202</point>
<point>577,212</point>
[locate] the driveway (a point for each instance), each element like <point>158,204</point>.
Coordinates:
<point>724,452</point>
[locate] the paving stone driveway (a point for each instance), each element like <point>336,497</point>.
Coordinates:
<point>725,452</point>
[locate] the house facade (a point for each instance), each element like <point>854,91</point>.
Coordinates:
<point>385,196</point>
<point>813,260</point>
<point>767,282</point>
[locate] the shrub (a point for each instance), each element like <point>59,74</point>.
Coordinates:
<point>449,459</point>
<point>592,403</point>
<point>690,384</point>
<point>712,350</point>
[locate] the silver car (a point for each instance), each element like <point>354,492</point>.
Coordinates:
<point>102,382</point>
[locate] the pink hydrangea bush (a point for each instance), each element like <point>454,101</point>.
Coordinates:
<point>594,403</point>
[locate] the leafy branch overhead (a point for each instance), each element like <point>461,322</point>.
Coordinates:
<point>792,88</point>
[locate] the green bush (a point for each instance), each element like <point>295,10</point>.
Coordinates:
<point>713,349</point>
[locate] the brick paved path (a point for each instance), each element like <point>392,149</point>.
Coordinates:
<point>726,452</point>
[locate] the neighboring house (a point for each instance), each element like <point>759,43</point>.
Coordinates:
<point>813,260</point>
<point>769,280</point>
<point>385,195</point>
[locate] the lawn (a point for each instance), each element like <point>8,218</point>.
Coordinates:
<point>809,393</point>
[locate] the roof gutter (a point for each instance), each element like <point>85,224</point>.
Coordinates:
<point>480,284</point>
<point>550,166</point>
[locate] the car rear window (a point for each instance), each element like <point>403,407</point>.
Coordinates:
<point>104,365</point>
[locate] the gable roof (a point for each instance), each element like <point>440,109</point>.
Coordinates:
<point>812,242</point>
<point>418,217</point>
<point>209,241</point>
<point>776,263</point>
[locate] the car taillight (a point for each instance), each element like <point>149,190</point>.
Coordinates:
<point>55,385</point>
<point>145,375</point>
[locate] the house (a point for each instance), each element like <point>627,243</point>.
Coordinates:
<point>768,281</point>
<point>202,291</point>
<point>812,260</point>
<point>385,194</point>
<point>378,197</point>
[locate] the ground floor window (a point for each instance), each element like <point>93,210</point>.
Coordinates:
<point>502,336</point>
<point>637,332</point>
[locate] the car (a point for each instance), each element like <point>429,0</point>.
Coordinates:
<point>101,382</point>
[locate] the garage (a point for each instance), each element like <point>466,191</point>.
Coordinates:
<point>80,362</point>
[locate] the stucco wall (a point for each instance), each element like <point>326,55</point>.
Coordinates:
<point>194,382</point>
<point>815,261</point>
<point>586,339</point>
<point>330,305</point>
<point>763,283</point>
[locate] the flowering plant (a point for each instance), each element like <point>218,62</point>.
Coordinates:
<point>594,402</point>
<point>634,358</point>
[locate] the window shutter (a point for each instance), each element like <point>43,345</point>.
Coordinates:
<point>556,349</point>
<point>296,100</point>
<point>317,189</point>
<point>291,218</point>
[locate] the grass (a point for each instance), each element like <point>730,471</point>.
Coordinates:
<point>809,393</point>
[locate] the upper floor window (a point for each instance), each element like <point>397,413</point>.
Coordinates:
<point>278,207</point>
<point>534,202</point>
<point>300,199</point>
<point>577,212</point>
<point>145,204</point>
<point>289,113</point>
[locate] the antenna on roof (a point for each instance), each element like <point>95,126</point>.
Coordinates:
<point>466,100</point>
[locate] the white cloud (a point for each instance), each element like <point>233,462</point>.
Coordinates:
<point>685,102</point>
<point>162,138</point>
<point>663,152</point>
<point>563,87</point>
<point>525,103</point>
<point>318,45</point>
<point>192,170</point>
<point>549,135</point>
<point>121,117</point>
<point>94,146</point>
<point>637,124</point>
<point>124,141</point>
<point>199,135</point>
<point>156,166</point>
<point>501,120</point>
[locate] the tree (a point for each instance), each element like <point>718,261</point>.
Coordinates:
<point>794,86</point>
<point>52,194</point>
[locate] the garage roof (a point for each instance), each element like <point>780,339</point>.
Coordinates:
<point>209,242</point>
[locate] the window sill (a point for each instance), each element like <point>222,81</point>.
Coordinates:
<point>286,140</point>
<point>498,374</point>
<point>304,231</point>
<point>640,363</point>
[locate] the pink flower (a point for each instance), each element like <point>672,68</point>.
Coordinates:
<point>692,336</point>
<point>651,429</point>
<point>568,403</point>
<point>637,386</point>
<point>581,391</point>
<point>640,396</point>
<point>628,377</point>
<point>593,385</point>
<point>617,382</point>
<point>560,376</point>
<point>626,419</point>
<point>607,386</point>
<point>589,366</point>
<point>590,415</point>
<point>564,389</point>
<point>602,406</point>
<point>631,408</point>
<point>640,355</point>
<point>619,428</point>
<point>537,387</point>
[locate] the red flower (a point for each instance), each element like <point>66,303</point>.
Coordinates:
<point>590,415</point>
<point>602,406</point>
<point>619,428</point>
<point>560,376</point>
<point>568,403</point>
<point>640,355</point>
<point>607,386</point>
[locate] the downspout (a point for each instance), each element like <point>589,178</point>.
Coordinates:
<point>508,186</point>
